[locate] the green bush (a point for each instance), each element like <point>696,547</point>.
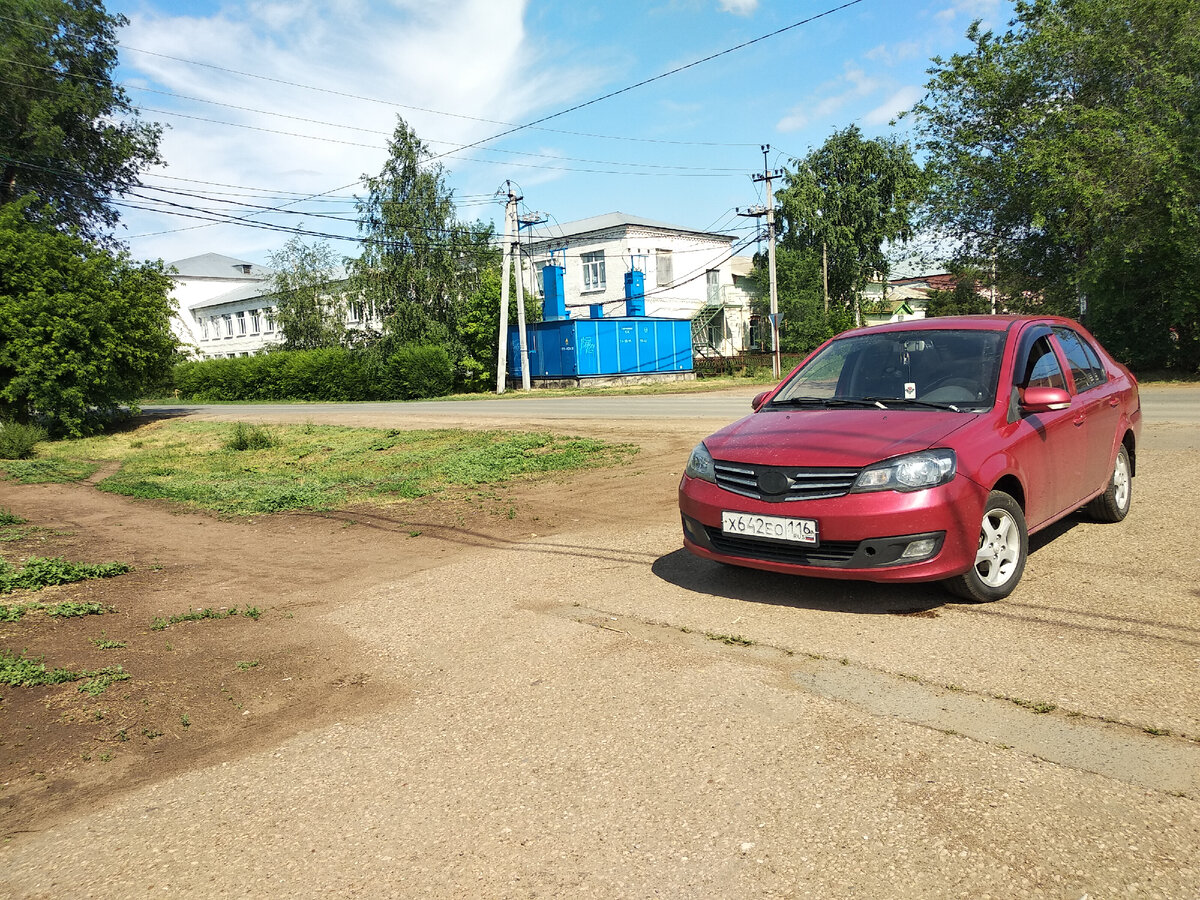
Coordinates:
<point>419,371</point>
<point>330,374</point>
<point>250,437</point>
<point>17,441</point>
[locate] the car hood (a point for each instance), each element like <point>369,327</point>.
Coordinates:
<point>832,437</point>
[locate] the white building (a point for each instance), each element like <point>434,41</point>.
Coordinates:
<point>688,274</point>
<point>223,306</point>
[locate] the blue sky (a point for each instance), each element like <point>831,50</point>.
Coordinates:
<point>271,102</point>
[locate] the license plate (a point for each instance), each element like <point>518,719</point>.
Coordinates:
<point>770,528</point>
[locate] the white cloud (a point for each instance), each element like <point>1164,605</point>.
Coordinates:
<point>444,56</point>
<point>971,9</point>
<point>891,54</point>
<point>854,84</point>
<point>739,7</point>
<point>897,103</point>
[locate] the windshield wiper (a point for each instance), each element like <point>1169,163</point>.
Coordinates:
<point>830,401</point>
<point>928,404</point>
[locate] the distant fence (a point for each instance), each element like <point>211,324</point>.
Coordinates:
<point>743,364</point>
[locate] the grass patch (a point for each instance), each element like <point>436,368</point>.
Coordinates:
<point>8,517</point>
<point>25,671</point>
<point>70,609</point>
<point>39,572</point>
<point>103,643</point>
<point>56,470</point>
<point>733,640</point>
<point>1038,706</point>
<point>67,609</point>
<point>244,437</point>
<point>319,467</point>
<point>199,615</point>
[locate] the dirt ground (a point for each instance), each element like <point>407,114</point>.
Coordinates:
<point>184,704</point>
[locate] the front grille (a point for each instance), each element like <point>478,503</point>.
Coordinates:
<point>777,484</point>
<point>828,553</point>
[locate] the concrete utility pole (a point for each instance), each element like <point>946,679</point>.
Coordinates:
<point>511,239</point>
<point>825,273</point>
<point>766,176</point>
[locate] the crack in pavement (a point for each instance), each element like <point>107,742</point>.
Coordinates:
<point>1112,749</point>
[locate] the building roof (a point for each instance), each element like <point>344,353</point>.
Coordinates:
<point>235,295</point>
<point>214,265</point>
<point>612,220</point>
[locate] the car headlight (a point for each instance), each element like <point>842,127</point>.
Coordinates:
<point>913,472</point>
<point>700,465</point>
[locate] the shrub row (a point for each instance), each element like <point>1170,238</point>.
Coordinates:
<point>408,373</point>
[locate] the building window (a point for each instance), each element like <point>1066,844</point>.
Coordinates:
<point>204,329</point>
<point>241,324</point>
<point>255,322</point>
<point>664,268</point>
<point>228,326</point>
<point>356,312</point>
<point>269,327</point>
<point>593,271</point>
<point>712,280</point>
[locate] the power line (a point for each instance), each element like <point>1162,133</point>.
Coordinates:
<point>347,95</point>
<point>667,74</point>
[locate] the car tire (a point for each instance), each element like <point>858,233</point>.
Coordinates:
<point>1000,559</point>
<point>1113,504</point>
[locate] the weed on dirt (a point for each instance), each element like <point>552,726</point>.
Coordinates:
<point>38,572</point>
<point>160,623</point>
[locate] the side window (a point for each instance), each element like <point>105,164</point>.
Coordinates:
<point>1042,369</point>
<point>1085,364</point>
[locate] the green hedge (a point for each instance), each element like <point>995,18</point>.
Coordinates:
<point>409,373</point>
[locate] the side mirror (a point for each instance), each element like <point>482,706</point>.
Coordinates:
<point>758,401</point>
<point>1044,399</point>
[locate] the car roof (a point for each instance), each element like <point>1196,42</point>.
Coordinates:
<point>956,323</point>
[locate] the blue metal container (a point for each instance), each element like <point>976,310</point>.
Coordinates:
<point>554,306</point>
<point>624,345</point>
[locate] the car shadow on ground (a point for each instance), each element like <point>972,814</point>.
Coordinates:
<point>704,576</point>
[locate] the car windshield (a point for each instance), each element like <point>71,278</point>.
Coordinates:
<point>955,370</point>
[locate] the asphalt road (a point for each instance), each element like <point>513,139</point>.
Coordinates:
<point>597,714</point>
<point>1162,403</point>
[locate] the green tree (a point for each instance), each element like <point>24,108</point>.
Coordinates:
<point>82,331</point>
<point>311,304</point>
<point>408,264</point>
<point>68,132</point>
<point>431,276</point>
<point>805,323</point>
<point>851,197</point>
<point>1065,152</point>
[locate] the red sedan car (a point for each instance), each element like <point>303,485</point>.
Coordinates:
<point>925,450</point>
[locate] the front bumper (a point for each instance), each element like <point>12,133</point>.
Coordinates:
<point>862,536</point>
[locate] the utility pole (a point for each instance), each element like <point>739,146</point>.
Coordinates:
<point>825,273</point>
<point>770,212</point>
<point>511,243</point>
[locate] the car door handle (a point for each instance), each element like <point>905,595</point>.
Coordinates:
<point>1114,402</point>
<point>1079,420</point>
